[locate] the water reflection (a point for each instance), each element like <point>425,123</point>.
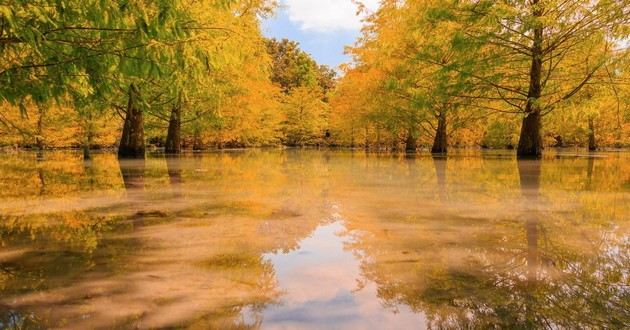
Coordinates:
<point>132,172</point>
<point>312,239</point>
<point>322,287</point>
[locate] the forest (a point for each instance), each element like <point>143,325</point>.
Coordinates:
<point>199,164</point>
<point>174,75</point>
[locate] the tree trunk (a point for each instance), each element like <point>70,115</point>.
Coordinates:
<point>173,138</point>
<point>87,144</point>
<point>39,138</point>
<point>592,143</point>
<point>530,143</point>
<point>132,141</point>
<point>352,135</point>
<point>198,144</point>
<point>440,144</point>
<point>411,145</point>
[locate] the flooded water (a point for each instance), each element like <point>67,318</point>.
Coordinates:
<point>315,240</point>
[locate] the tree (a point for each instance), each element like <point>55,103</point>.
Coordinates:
<point>537,54</point>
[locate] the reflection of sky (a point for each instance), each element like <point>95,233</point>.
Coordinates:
<point>320,282</point>
<point>326,47</point>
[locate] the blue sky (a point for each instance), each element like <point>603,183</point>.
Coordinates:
<point>322,27</point>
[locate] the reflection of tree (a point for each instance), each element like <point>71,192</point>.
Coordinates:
<point>512,271</point>
<point>201,255</point>
<point>529,173</point>
<point>133,173</point>
<point>440,173</point>
<point>174,168</point>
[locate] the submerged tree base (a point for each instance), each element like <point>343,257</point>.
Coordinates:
<point>440,143</point>
<point>530,144</point>
<point>132,141</point>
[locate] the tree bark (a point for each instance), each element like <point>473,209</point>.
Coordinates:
<point>173,138</point>
<point>592,142</point>
<point>530,143</point>
<point>132,141</point>
<point>440,144</point>
<point>411,144</point>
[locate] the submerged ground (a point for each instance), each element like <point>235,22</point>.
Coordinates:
<point>315,239</point>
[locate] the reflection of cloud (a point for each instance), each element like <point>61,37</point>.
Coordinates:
<point>321,289</point>
<point>326,15</point>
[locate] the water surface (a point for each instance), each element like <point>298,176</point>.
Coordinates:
<point>315,240</point>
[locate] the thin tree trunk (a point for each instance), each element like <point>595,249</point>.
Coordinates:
<point>198,144</point>
<point>530,143</point>
<point>39,138</point>
<point>440,144</point>
<point>132,141</point>
<point>87,144</point>
<point>378,138</point>
<point>592,143</point>
<point>411,144</point>
<point>352,135</point>
<point>173,138</point>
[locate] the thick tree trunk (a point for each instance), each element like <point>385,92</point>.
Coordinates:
<point>440,144</point>
<point>530,143</point>
<point>132,141</point>
<point>173,138</point>
<point>592,143</point>
<point>411,145</point>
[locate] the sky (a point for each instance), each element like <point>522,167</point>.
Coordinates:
<point>322,27</point>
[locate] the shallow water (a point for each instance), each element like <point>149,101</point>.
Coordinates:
<point>315,240</point>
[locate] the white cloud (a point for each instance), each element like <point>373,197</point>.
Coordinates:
<point>326,15</point>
